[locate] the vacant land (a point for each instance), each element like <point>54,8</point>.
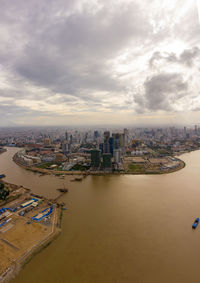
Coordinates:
<point>20,235</point>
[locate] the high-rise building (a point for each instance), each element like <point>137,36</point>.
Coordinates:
<point>101,148</point>
<point>106,136</point>
<point>126,136</point>
<point>116,140</point>
<point>106,147</point>
<point>66,136</point>
<point>121,140</point>
<point>111,145</point>
<point>95,158</point>
<point>86,137</point>
<point>117,155</point>
<point>96,135</point>
<point>65,147</point>
<point>107,160</point>
<point>71,139</point>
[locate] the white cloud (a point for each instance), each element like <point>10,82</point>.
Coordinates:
<point>82,58</point>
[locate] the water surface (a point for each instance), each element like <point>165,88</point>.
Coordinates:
<point>119,228</point>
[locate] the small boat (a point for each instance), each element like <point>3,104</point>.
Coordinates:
<point>196,222</point>
<point>77,179</point>
<point>62,190</point>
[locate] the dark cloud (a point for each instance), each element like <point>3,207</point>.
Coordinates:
<point>161,92</point>
<point>187,57</point>
<point>89,55</point>
<point>71,53</point>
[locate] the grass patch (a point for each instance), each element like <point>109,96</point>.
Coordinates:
<point>79,167</point>
<point>48,164</point>
<point>135,168</point>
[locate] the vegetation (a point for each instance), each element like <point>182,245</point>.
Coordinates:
<point>135,167</point>
<point>79,167</point>
<point>48,164</point>
<point>4,192</point>
<point>164,152</point>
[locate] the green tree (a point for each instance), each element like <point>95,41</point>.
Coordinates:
<point>4,192</point>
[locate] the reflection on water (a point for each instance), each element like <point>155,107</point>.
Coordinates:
<point>119,228</point>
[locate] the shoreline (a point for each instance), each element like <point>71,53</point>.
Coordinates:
<point>42,171</point>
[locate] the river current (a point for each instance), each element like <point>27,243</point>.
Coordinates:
<point>118,228</point>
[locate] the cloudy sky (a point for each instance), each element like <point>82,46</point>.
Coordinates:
<point>81,62</point>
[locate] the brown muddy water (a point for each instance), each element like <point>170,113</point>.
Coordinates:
<point>119,228</point>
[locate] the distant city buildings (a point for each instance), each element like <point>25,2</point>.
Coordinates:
<point>47,141</point>
<point>99,149</point>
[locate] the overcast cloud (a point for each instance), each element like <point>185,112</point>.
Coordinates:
<point>75,62</point>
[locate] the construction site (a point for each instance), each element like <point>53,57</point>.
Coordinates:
<point>27,223</point>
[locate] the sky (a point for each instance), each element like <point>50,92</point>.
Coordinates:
<point>78,62</point>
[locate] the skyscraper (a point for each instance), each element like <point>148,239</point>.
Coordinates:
<point>106,145</point>
<point>96,135</point>
<point>116,140</point>
<point>111,145</point>
<point>107,161</point>
<point>95,158</point>
<point>101,148</point>
<point>71,139</point>
<point>106,136</point>
<point>126,136</point>
<point>122,140</point>
<point>117,155</point>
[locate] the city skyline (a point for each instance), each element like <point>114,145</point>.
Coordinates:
<point>99,63</point>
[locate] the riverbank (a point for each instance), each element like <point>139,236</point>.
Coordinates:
<point>153,169</point>
<point>22,237</point>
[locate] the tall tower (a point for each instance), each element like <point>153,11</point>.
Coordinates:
<point>95,158</point>
<point>106,136</point>
<point>107,161</point>
<point>106,145</point>
<point>117,156</point>
<point>126,134</point>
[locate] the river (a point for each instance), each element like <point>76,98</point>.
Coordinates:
<point>119,228</point>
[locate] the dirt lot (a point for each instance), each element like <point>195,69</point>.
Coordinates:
<point>159,160</point>
<point>17,236</point>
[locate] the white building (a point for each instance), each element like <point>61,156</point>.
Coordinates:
<point>117,155</point>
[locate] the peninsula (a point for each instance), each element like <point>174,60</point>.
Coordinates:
<point>127,151</point>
